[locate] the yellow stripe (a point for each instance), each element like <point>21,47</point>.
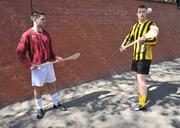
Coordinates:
<point>129,36</point>
<point>149,53</point>
<point>141,52</point>
<point>136,45</point>
<point>140,49</point>
<point>144,51</point>
<point>134,34</point>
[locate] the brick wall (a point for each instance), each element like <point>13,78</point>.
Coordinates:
<point>95,28</point>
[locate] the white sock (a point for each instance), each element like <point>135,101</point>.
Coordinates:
<point>39,103</point>
<point>55,98</point>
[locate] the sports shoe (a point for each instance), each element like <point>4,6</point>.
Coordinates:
<point>136,100</point>
<point>60,106</point>
<point>40,114</point>
<point>138,107</point>
<point>133,99</point>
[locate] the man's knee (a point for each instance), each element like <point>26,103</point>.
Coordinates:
<point>140,78</point>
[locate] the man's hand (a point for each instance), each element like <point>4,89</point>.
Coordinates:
<point>33,67</point>
<point>122,49</point>
<point>142,39</point>
<point>59,59</point>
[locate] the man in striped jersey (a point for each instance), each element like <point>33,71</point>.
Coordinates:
<point>142,55</point>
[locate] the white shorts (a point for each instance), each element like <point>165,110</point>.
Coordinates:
<point>42,75</point>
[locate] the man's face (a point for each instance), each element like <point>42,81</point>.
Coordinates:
<point>41,21</point>
<point>141,14</point>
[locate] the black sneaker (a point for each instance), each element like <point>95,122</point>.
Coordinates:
<point>133,99</point>
<point>40,114</point>
<point>138,107</point>
<point>60,106</point>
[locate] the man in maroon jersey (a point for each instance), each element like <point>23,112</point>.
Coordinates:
<point>37,42</point>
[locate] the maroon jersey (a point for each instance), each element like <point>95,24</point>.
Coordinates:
<point>38,45</point>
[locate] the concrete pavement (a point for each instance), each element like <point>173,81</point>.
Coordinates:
<point>103,104</point>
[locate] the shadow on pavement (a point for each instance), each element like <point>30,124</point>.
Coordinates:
<point>166,95</point>
<point>82,101</point>
<point>161,93</point>
<point>29,119</point>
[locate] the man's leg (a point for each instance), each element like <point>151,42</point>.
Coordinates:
<point>142,85</point>
<point>142,88</point>
<point>52,91</point>
<point>142,68</point>
<point>38,99</point>
<point>54,96</point>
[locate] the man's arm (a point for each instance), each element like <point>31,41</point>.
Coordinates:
<point>22,49</point>
<point>127,40</point>
<point>151,41</point>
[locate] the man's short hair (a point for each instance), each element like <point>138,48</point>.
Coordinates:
<point>36,14</point>
<point>142,6</point>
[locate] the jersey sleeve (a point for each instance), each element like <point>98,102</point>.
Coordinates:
<point>129,37</point>
<point>21,50</point>
<point>151,41</point>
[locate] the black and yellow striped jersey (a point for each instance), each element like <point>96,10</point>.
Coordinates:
<point>141,51</point>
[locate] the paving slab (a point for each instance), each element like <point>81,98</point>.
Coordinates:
<point>103,103</point>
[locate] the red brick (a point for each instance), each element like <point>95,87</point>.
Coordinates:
<point>92,27</point>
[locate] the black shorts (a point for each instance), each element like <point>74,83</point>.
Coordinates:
<point>141,66</point>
